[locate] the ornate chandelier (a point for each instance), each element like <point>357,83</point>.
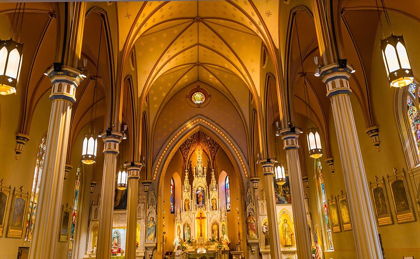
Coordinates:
<point>394,53</point>
<point>397,63</point>
<point>122,179</point>
<point>90,144</point>
<point>314,143</point>
<point>11,53</point>
<point>280,174</point>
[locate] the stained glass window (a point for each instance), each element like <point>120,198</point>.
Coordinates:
<point>172,196</point>
<point>324,204</point>
<point>412,113</point>
<point>74,214</point>
<point>227,192</point>
<point>198,97</point>
<point>39,164</point>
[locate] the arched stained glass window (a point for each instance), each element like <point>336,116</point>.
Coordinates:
<point>322,195</point>
<point>413,114</point>
<point>39,164</point>
<point>227,192</point>
<point>75,212</point>
<point>172,196</point>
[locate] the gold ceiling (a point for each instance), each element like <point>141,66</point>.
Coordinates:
<point>181,42</point>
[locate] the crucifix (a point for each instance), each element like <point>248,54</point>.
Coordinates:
<point>201,223</point>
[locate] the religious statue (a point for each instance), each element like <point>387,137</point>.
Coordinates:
<point>115,248</point>
<point>215,231</point>
<point>187,205</point>
<point>178,231</point>
<point>187,232</point>
<point>265,232</point>
<point>151,229</point>
<point>252,232</point>
<point>287,233</point>
<point>213,204</point>
<point>200,197</point>
<point>224,238</point>
<point>177,242</point>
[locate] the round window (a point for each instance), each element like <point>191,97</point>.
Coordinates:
<point>198,98</point>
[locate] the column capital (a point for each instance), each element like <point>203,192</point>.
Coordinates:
<point>336,78</point>
<point>64,81</point>
<point>112,140</point>
<point>134,169</point>
<point>67,170</point>
<point>21,140</point>
<point>255,181</point>
<point>290,137</point>
<point>268,166</point>
<point>146,184</point>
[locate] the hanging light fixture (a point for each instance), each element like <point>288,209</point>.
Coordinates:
<point>11,53</point>
<point>122,179</point>
<point>313,137</point>
<point>280,174</point>
<point>394,53</point>
<point>314,143</point>
<point>90,142</point>
<point>396,61</point>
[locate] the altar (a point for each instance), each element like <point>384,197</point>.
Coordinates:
<point>200,222</point>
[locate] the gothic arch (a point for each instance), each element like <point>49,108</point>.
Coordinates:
<point>212,129</point>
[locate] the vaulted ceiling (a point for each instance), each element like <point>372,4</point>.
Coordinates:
<point>215,42</point>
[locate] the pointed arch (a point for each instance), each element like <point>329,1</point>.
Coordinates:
<point>211,128</point>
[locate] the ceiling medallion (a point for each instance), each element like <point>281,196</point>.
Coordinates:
<point>198,97</point>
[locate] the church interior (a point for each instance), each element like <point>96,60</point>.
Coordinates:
<point>253,129</point>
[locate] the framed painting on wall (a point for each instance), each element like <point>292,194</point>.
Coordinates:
<point>401,197</point>
<point>17,213</point>
<point>344,212</point>
<point>380,202</point>
<point>4,201</point>
<point>335,218</point>
<point>64,227</point>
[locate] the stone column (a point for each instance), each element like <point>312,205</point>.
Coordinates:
<point>132,198</point>
<point>48,216</point>
<point>365,230</point>
<point>112,141</point>
<point>268,171</point>
<point>302,235</point>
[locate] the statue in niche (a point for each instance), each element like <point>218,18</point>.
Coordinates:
<point>116,242</point>
<point>178,239</point>
<point>287,233</point>
<point>187,204</point>
<point>252,232</point>
<point>215,231</point>
<point>266,233</point>
<point>151,229</point>
<point>187,232</point>
<point>200,197</point>
<point>213,204</point>
<point>224,238</point>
